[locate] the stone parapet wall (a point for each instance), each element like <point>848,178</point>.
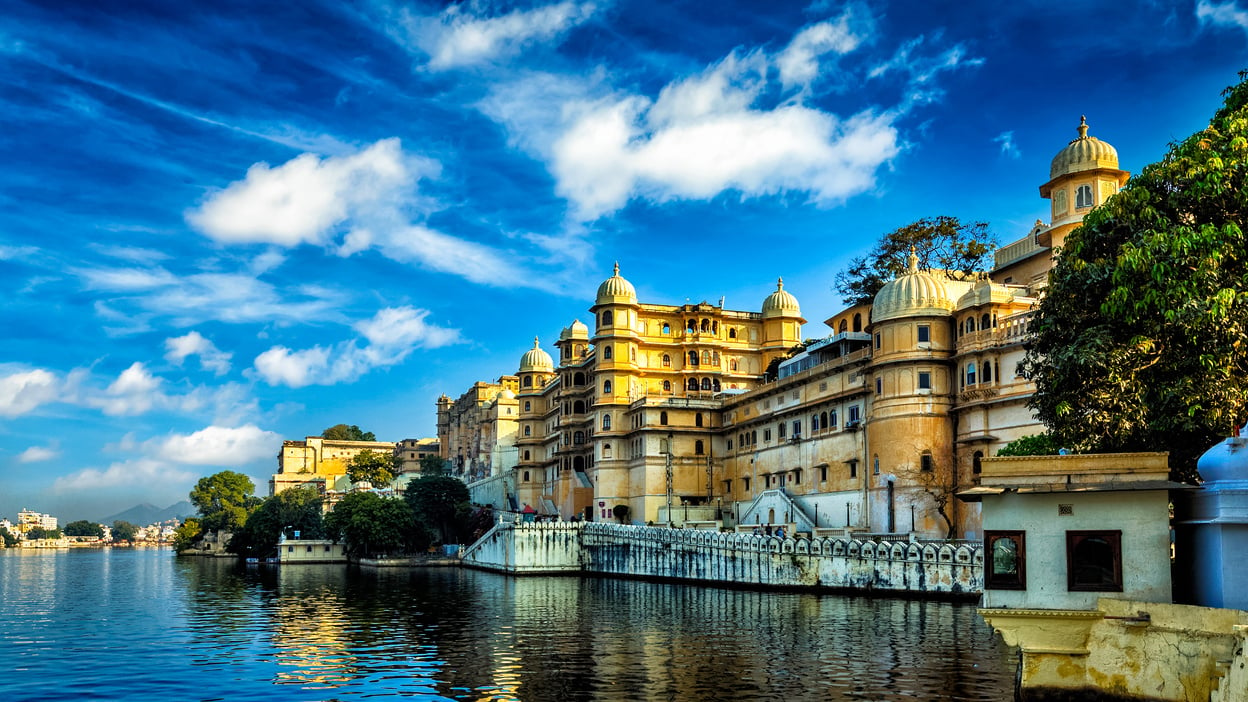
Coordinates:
<point>928,568</point>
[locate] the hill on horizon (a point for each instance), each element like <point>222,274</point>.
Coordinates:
<point>145,513</point>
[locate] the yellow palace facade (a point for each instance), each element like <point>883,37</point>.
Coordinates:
<point>668,413</point>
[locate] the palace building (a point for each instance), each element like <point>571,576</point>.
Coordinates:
<point>696,413</point>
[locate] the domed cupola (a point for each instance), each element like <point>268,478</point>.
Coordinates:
<point>781,303</point>
<point>1226,463</point>
<point>578,330</point>
<point>913,293</point>
<point>535,360</point>
<point>1085,153</point>
<point>616,290</point>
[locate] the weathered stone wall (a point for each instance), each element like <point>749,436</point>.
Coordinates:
<point>903,567</point>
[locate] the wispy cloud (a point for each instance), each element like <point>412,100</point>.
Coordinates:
<point>390,336</point>
<point>799,62</point>
<point>194,344</point>
<point>23,391</point>
<point>146,473</point>
<point>462,34</point>
<point>1227,14</point>
<point>38,454</point>
<point>1008,148</point>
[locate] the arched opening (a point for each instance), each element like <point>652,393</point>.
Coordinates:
<point>693,384</point>
<point>526,473</point>
<point>693,358</point>
<point>844,326</point>
<point>697,420</point>
<point>715,385</point>
<point>706,384</point>
<point>926,463</point>
<point>732,365</point>
<point>985,321</point>
<point>977,465</point>
<point>857,322</point>
<point>732,333</point>
<point>699,448</point>
<point>706,358</point>
<point>528,381</point>
<point>578,379</point>
<point>691,325</point>
<point>667,361</point>
<point>823,420</point>
<point>528,430</point>
<point>1083,196</point>
<point>606,353</point>
<point>578,464</point>
<point>667,328</point>
<point>528,406</point>
<point>814,422</point>
<point>987,371</point>
<point>606,387</point>
<point>667,386</point>
<point>663,418</point>
<point>578,407</point>
<point>608,319</point>
<point>970,373</point>
<point>606,450</point>
<point>706,325</point>
<point>606,422</point>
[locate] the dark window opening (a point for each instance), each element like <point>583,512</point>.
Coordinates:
<point>1094,561</point>
<point>1006,568</point>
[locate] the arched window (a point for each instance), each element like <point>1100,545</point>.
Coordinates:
<point>693,384</point>
<point>663,418</point>
<point>578,379</point>
<point>925,462</point>
<point>606,387</point>
<point>606,450</point>
<point>857,322</point>
<point>985,321</point>
<point>526,473</point>
<point>706,358</point>
<point>528,381</point>
<point>578,407</point>
<point>970,373</point>
<point>987,371</point>
<point>691,325</point>
<point>606,422</point>
<point>732,333</point>
<point>697,420</point>
<point>608,319</point>
<point>698,447</point>
<point>754,437</point>
<point>578,438</point>
<point>1083,196</point>
<point>875,464</point>
<point>526,457</point>
<point>976,465</point>
<point>606,353</point>
<point>693,358</point>
<point>667,386</point>
<point>715,385</point>
<point>632,355</point>
<point>844,327</point>
<point>732,365</point>
<point>528,430</point>
<point>706,383</point>
<point>667,328</point>
<point>667,361</point>
<point>814,422</point>
<point>823,420</point>
<point>528,406</point>
<point>714,327</point>
<point>715,359</point>
<point>970,324</point>
<point>706,325</point>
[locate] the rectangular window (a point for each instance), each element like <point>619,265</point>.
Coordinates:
<point>925,333</point>
<point>730,444</point>
<point>781,430</point>
<point>925,380</point>
<point>877,340</point>
<point>832,418</point>
<point>797,428</point>
<point>823,474</point>
<point>853,469</point>
<point>1006,568</point>
<point>925,463</point>
<point>1094,561</point>
<point>746,483</point>
<point>766,435</point>
<point>853,413</point>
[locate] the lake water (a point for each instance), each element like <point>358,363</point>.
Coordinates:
<point>144,625</point>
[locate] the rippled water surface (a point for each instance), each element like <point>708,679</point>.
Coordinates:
<point>142,624</point>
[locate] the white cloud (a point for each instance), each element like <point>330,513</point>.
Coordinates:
<point>142,473</point>
<point>16,252</point>
<point>37,454</point>
<point>461,36</point>
<point>303,199</point>
<point>217,445</point>
<point>1227,14</point>
<point>391,335</point>
<point>798,63</point>
<point>135,391</point>
<point>210,357</point>
<point>1008,147</point>
<point>21,392</point>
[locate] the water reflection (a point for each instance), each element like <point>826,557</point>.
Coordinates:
<point>205,629</point>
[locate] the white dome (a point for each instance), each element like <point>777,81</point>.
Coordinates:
<point>781,303</point>
<point>616,290</point>
<point>1084,153</point>
<point>1226,461</point>
<point>914,293</point>
<point>535,360</point>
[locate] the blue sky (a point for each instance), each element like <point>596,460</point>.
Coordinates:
<point>225,224</point>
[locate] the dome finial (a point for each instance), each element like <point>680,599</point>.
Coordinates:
<point>779,283</point>
<point>616,270</point>
<point>536,345</point>
<point>912,261</point>
<point>1083,126</point>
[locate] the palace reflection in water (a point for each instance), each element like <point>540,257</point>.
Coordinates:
<point>213,630</point>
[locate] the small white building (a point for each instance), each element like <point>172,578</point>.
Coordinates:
<point>290,551</point>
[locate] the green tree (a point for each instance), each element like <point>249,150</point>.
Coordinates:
<point>124,531</point>
<point>434,465</point>
<point>9,539</point>
<point>1031,445</point>
<point>942,243</point>
<point>84,528</point>
<point>441,502</point>
<point>1141,342</point>
<point>224,500</point>
<point>184,535</point>
<point>371,525</point>
<point>343,432</point>
<point>372,466</point>
<point>296,509</point>
<point>41,533</point>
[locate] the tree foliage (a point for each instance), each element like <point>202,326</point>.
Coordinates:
<point>224,500</point>
<point>9,539</point>
<point>124,531</point>
<point>371,525</point>
<point>41,533</point>
<point>1031,445</point>
<point>434,465</point>
<point>1140,342</point>
<point>296,509</point>
<point>343,432</point>
<point>374,467</point>
<point>183,536</point>
<point>84,528</point>
<point>941,243</point>
<point>442,502</point>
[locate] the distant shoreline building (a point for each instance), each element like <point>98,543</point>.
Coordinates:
<point>873,427</point>
<point>323,463</point>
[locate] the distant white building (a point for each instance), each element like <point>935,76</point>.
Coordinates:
<point>27,520</point>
